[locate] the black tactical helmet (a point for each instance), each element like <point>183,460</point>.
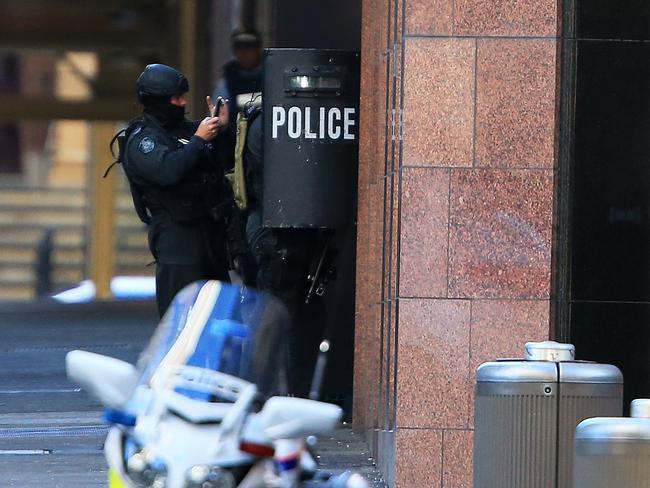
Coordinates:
<point>160,80</point>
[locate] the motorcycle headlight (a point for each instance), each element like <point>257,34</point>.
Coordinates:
<point>209,477</point>
<point>144,473</point>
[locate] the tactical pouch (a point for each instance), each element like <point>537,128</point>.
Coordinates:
<point>236,176</point>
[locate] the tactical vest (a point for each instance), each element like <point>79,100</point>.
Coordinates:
<point>198,194</point>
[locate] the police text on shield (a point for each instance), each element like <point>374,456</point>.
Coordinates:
<point>334,123</point>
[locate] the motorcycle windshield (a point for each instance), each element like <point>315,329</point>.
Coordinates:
<point>219,327</point>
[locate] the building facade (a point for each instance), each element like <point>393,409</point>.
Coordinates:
<point>503,182</point>
<point>502,199</point>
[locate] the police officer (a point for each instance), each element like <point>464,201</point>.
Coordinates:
<point>283,259</point>
<point>242,76</point>
<point>176,176</point>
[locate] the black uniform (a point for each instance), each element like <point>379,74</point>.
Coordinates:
<point>241,86</point>
<point>284,258</point>
<point>179,181</point>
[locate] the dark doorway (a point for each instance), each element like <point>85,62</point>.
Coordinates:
<point>326,24</point>
<point>610,197</point>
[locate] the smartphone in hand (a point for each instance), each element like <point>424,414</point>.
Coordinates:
<point>215,109</point>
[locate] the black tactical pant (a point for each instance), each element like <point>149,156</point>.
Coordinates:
<point>184,253</point>
<point>284,259</point>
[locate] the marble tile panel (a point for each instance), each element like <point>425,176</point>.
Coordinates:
<point>362,247</point>
<point>394,233</point>
<point>457,447</point>
<point>430,17</point>
<point>369,35</point>
<point>372,152</point>
<point>360,374</point>
<point>389,363</point>
<point>418,454</point>
<point>361,391</point>
<point>360,371</point>
<point>393,292</point>
<point>373,109</point>
<point>392,395</point>
<point>438,122</point>
<point>433,363</point>
<point>380,120</point>
<point>387,250</point>
<point>399,48</point>
<point>424,232</point>
<point>500,328</point>
<point>515,103</point>
<point>534,18</point>
<point>394,119</point>
<point>384,366</point>
<point>375,243</point>
<point>374,365</point>
<point>500,233</point>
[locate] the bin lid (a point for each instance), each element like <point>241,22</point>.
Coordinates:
<point>640,408</point>
<point>599,429</point>
<point>517,372</point>
<point>549,351</point>
<point>588,372</point>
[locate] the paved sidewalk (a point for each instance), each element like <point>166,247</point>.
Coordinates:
<point>347,450</point>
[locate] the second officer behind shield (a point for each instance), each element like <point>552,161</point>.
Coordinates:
<point>177,182</point>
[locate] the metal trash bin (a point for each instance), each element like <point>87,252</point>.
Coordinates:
<point>526,412</point>
<point>614,451</point>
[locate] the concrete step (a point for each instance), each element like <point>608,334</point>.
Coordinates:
<point>128,221</point>
<point>22,233</point>
<point>55,218</point>
<point>10,293</point>
<point>11,247</point>
<point>62,271</point>
<point>124,202</point>
<point>44,218</point>
<point>16,274</point>
<point>15,271</point>
<point>69,199</point>
<point>64,274</point>
<point>26,196</point>
<point>25,213</point>
<point>69,255</point>
<point>139,270</point>
<point>56,199</point>
<point>16,254</point>
<point>134,258</point>
<point>25,235</point>
<point>18,283</point>
<point>132,239</point>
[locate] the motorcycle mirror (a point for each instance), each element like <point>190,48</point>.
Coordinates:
<point>290,417</point>
<point>109,380</point>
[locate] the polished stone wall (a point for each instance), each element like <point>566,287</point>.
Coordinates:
<point>455,225</point>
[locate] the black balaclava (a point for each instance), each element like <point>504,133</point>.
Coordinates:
<point>170,116</point>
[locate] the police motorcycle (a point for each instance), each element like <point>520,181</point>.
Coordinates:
<point>203,406</point>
